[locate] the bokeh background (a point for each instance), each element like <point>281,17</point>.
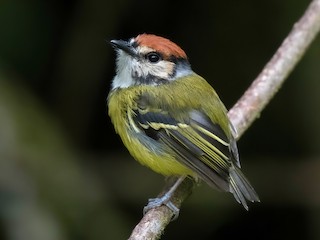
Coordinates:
<point>64,173</point>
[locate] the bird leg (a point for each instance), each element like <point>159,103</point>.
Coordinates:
<point>165,200</point>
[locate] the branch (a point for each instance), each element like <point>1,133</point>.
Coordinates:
<point>269,81</point>
<point>247,109</point>
<point>155,220</point>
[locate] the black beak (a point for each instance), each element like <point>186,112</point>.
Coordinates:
<point>125,46</point>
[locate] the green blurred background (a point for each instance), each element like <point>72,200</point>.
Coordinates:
<point>64,173</point>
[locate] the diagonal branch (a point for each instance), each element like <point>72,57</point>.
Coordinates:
<point>247,109</point>
<point>269,81</point>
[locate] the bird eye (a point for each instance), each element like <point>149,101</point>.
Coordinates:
<point>153,57</point>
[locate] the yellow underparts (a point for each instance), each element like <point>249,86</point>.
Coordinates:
<point>163,162</point>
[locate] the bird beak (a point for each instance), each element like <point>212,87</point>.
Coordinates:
<point>125,46</point>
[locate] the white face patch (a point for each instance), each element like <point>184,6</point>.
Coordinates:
<point>162,69</point>
<point>129,69</point>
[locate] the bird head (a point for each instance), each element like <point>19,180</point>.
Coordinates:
<point>148,60</point>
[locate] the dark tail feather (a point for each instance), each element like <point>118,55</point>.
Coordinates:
<point>241,188</point>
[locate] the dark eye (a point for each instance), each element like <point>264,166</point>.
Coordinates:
<point>153,57</point>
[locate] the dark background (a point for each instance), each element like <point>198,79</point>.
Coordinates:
<point>64,173</point>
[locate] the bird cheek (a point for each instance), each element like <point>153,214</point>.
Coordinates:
<point>165,70</point>
<point>170,69</point>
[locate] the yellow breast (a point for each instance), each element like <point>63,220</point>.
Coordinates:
<point>147,151</point>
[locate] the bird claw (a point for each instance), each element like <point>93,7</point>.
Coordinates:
<point>157,202</point>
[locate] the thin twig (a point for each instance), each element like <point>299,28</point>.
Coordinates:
<point>247,109</point>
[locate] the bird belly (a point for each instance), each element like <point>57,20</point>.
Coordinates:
<point>155,156</point>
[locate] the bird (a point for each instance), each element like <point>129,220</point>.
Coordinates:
<point>172,120</point>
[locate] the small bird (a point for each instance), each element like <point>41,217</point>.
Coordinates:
<point>171,120</point>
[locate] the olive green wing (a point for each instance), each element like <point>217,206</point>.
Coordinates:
<point>199,144</point>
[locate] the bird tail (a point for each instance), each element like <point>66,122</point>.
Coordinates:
<point>241,188</point>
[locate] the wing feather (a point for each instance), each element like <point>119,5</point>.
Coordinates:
<point>191,160</point>
<point>198,144</point>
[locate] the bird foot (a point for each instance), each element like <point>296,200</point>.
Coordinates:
<point>164,200</point>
